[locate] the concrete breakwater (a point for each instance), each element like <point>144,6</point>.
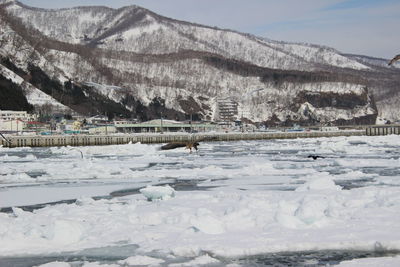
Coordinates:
<point>151,138</point>
<point>383,130</point>
<point>93,140</point>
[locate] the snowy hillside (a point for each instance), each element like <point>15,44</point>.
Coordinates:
<point>143,64</point>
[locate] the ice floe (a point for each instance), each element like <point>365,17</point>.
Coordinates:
<point>158,192</point>
<point>266,198</point>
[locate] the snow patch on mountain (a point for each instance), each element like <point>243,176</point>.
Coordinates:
<point>325,114</point>
<point>319,54</point>
<point>135,33</point>
<point>8,74</point>
<point>112,92</point>
<point>335,87</point>
<point>33,95</point>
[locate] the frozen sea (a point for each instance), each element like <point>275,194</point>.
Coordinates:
<point>249,203</point>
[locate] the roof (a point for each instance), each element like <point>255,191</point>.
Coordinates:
<point>165,125</point>
<point>158,122</point>
<point>98,117</point>
<point>35,122</point>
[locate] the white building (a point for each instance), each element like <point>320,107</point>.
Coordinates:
<point>12,125</point>
<point>14,121</point>
<point>125,122</point>
<point>98,119</point>
<point>227,110</point>
<point>103,130</point>
<point>10,115</point>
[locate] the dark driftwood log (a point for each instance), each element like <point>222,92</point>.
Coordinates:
<point>173,145</point>
<point>188,145</point>
<point>5,138</point>
<point>394,60</point>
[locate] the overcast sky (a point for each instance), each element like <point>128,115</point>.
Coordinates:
<point>367,27</point>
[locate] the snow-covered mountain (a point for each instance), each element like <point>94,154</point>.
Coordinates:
<point>142,64</point>
<point>139,30</point>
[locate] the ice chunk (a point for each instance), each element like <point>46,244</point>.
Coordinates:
<point>97,264</point>
<point>285,215</point>
<point>84,201</point>
<point>323,183</point>
<point>141,260</point>
<point>158,192</point>
<point>382,262</point>
<point>312,210</point>
<point>66,232</point>
<point>208,224</point>
<point>17,212</point>
<point>55,264</point>
<point>202,260</point>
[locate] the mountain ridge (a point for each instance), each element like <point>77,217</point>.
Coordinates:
<point>187,39</point>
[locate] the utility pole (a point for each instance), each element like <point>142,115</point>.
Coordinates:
<point>162,131</point>
<point>106,124</point>
<point>191,122</point>
<point>5,138</point>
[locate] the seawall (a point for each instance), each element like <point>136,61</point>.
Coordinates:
<point>94,140</point>
<point>151,138</point>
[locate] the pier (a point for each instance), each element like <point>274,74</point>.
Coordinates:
<point>383,130</point>
<point>154,138</point>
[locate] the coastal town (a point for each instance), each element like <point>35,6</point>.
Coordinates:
<point>20,129</point>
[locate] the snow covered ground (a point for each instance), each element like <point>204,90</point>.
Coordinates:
<point>231,203</point>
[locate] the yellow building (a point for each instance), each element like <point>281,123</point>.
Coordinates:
<point>76,125</point>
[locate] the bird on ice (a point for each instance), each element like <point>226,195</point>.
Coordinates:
<point>315,157</point>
